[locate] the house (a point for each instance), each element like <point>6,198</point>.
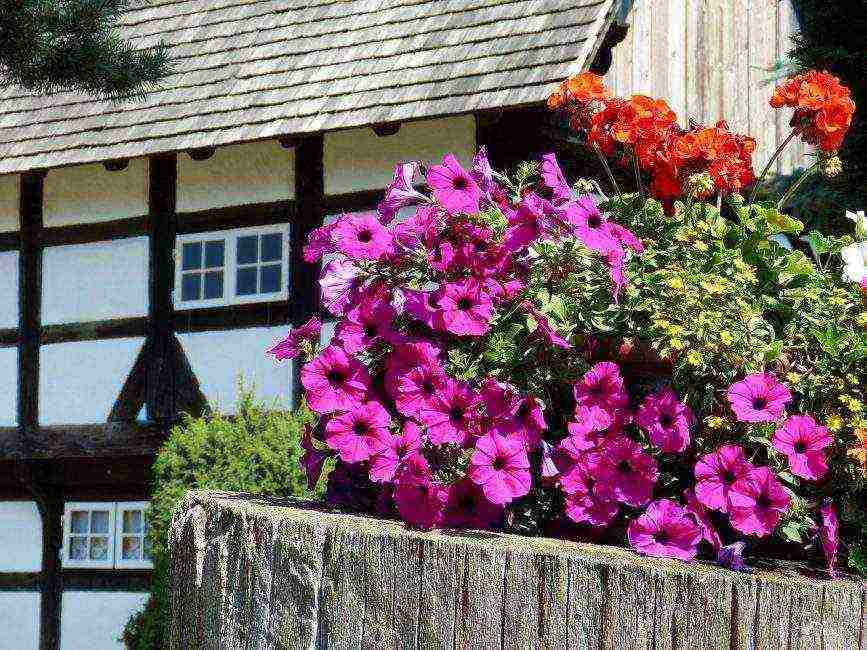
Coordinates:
<point>150,251</point>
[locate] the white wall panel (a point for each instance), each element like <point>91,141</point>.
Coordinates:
<point>257,172</point>
<point>8,387</point>
<point>19,620</point>
<point>218,359</point>
<point>358,159</point>
<point>9,289</point>
<point>94,620</point>
<point>9,203</point>
<point>79,382</point>
<point>20,537</point>
<point>91,282</point>
<point>90,194</point>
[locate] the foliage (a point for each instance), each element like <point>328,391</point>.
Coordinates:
<point>255,451</point>
<point>47,46</point>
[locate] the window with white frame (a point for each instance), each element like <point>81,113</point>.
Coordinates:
<point>232,267</point>
<point>106,535</point>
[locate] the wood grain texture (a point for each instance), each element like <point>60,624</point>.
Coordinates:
<point>249,572</point>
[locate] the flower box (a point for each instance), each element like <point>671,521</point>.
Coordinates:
<point>255,573</point>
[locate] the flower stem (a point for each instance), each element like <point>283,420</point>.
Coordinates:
<point>797,184</point>
<point>639,187</point>
<point>608,171</point>
<point>768,166</point>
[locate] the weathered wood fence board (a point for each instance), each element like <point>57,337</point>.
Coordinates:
<point>255,574</point>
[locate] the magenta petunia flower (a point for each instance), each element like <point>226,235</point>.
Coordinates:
<point>759,398</point>
<point>419,498</point>
<point>602,386</point>
<point>592,429</point>
<point>590,507</point>
<point>667,421</point>
<point>757,502</point>
<point>401,192</point>
<point>334,382</point>
<point>365,325</point>
<point>665,530</point>
<point>388,451</point>
<point>501,467</point>
<point>591,226</point>
<point>424,306</point>
<point>468,507</point>
<point>554,179</point>
<point>362,237</point>
<point>625,236</point>
<point>351,434</point>
<point>548,466</point>
<point>464,309</point>
<point>417,389</point>
<point>405,357</point>
<point>419,229</point>
<point>482,171</point>
<point>715,473</point>
<point>292,345</point>
<point>452,415</point>
<point>829,533</point>
<point>526,224</point>
<point>454,187</point>
<point>732,557</point>
<point>631,472</point>
<point>319,242</point>
<point>697,510</point>
<point>339,283</point>
<point>804,442</point>
<point>313,459</point>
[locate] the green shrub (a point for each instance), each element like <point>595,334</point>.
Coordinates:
<point>256,451</point>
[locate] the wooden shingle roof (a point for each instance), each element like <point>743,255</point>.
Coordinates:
<point>251,69</point>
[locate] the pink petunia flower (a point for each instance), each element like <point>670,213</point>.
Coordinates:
<point>732,557</point>
<point>419,498</point>
<point>365,325</point>
<point>667,420</point>
<point>452,415</point>
<point>482,171</point>
<point>388,451</point>
<point>292,345</point>
<point>757,502</point>
<point>351,434</point>
<point>513,415</point>
<point>526,225</point>
<point>313,459</point>
<point>665,530</point>
<point>715,473</point>
<point>548,466</point>
<point>602,386</point>
<point>591,226</point>
<point>401,192</point>
<point>501,467</point>
<point>468,507</point>
<point>339,283</point>
<point>319,242</point>
<point>759,398</point>
<point>424,306</point>
<point>464,309</point>
<point>697,510</point>
<point>417,389</point>
<point>406,356</point>
<point>829,533</point>
<point>554,179</point>
<point>592,429</point>
<point>334,382</point>
<point>363,237</point>
<point>454,187</point>
<point>804,442</point>
<point>631,472</point>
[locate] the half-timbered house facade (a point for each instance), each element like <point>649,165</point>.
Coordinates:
<point>150,250</point>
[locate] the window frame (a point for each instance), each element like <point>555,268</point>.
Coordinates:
<point>130,506</point>
<point>231,266</point>
<point>90,507</point>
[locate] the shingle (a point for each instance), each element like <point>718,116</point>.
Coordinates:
<point>251,69</point>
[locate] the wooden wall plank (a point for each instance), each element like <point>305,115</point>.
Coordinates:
<point>642,77</point>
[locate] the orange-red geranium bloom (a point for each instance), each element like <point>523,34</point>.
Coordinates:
<point>823,108</point>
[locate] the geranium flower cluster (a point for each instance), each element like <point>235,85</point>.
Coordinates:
<point>823,108</point>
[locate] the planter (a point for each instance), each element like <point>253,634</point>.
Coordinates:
<point>253,573</point>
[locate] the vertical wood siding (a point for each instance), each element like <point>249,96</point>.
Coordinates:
<point>710,60</point>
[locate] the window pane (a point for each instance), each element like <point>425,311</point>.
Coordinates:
<point>99,521</point>
<point>246,282</point>
<point>132,521</point>
<point>270,278</point>
<point>79,521</point>
<point>146,553</point>
<point>191,287</point>
<point>192,257</point>
<point>131,548</point>
<point>272,248</point>
<point>78,548</point>
<point>213,285</point>
<point>99,548</point>
<point>215,254</point>
<point>248,249</point>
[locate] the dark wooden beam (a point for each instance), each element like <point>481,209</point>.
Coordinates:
<point>352,202</point>
<point>9,338</point>
<point>262,314</point>
<point>107,580</point>
<point>30,297</point>
<point>107,329</point>
<point>121,439</point>
<point>88,233</point>
<point>239,216</point>
<point>9,241</point>
<point>23,581</point>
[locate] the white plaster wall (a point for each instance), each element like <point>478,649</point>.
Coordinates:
<point>90,194</point>
<point>9,289</point>
<point>80,382</point>
<point>20,537</point>
<point>358,159</point>
<point>9,203</point>
<point>19,620</point>
<point>97,281</point>
<point>257,172</point>
<point>94,620</point>
<point>219,358</point>
<point>8,388</point>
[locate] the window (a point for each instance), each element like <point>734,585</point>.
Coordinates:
<point>106,535</point>
<point>232,267</point>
